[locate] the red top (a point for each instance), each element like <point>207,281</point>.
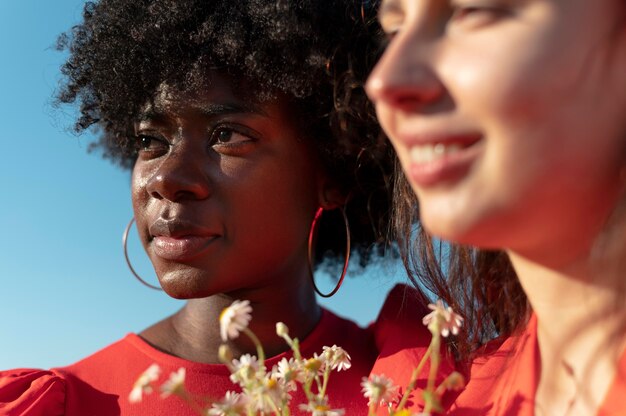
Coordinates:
<point>501,382</point>
<point>99,385</point>
<point>402,340</point>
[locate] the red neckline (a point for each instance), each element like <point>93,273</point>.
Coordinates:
<point>162,358</point>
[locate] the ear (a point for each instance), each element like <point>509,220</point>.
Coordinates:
<point>330,195</point>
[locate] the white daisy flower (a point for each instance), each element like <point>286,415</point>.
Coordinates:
<point>268,392</point>
<point>379,389</point>
<point>337,358</point>
<point>290,371</point>
<point>447,320</point>
<point>314,366</point>
<point>143,385</point>
<point>175,384</point>
<point>233,404</point>
<point>234,319</point>
<point>244,369</point>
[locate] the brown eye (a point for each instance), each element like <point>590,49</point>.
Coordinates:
<point>143,142</point>
<point>476,15</point>
<point>224,136</point>
<point>231,141</point>
<point>146,144</point>
<point>463,12</point>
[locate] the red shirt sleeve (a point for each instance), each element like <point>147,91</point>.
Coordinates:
<point>27,392</point>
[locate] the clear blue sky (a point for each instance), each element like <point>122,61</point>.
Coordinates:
<point>64,288</point>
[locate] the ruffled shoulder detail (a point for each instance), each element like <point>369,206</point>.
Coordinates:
<point>399,323</point>
<point>402,341</point>
<point>29,392</point>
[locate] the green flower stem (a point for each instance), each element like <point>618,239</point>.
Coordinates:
<point>257,343</point>
<point>413,380</point>
<point>295,347</point>
<point>325,382</point>
<point>277,411</point>
<point>306,387</point>
<point>372,409</point>
<point>434,362</point>
<point>435,343</point>
<point>289,340</point>
<point>319,383</point>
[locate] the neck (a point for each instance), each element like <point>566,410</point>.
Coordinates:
<point>193,332</point>
<point>580,328</point>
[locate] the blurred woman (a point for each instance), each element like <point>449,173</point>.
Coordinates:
<point>508,118</point>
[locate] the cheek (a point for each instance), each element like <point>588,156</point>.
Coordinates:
<point>137,187</point>
<point>495,85</point>
<point>273,200</point>
<point>140,199</point>
<point>385,116</point>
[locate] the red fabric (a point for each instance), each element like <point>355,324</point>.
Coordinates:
<point>402,340</point>
<point>504,383</point>
<point>31,392</point>
<point>99,385</point>
<point>501,382</point>
<point>615,400</point>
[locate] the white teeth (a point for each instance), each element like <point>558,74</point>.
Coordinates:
<point>431,152</point>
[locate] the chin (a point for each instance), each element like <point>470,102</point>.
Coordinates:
<point>455,232</point>
<point>444,228</point>
<point>181,285</point>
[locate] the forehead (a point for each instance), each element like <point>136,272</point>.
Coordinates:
<point>215,94</point>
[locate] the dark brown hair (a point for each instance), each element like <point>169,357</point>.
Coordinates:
<point>317,54</point>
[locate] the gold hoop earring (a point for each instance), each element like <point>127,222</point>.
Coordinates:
<point>318,215</point>
<point>130,266</point>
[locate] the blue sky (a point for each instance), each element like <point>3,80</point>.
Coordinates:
<point>64,288</point>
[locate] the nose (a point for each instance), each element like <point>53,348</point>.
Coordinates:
<point>404,78</point>
<point>182,175</point>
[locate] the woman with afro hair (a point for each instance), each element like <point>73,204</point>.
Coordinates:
<point>241,122</point>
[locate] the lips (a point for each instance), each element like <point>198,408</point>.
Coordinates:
<point>179,240</point>
<point>440,158</point>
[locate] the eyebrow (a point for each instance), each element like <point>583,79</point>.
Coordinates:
<point>215,109</point>
<point>209,110</point>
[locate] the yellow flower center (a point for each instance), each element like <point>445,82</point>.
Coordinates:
<point>222,313</point>
<point>313,364</point>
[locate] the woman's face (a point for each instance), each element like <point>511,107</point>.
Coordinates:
<point>224,191</point>
<point>508,116</point>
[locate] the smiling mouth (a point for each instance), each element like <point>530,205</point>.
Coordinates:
<point>437,162</point>
<point>181,248</point>
<point>431,152</point>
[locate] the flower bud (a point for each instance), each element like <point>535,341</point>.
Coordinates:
<point>281,329</point>
<point>225,354</point>
<point>455,381</point>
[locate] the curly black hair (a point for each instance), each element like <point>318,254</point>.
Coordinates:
<point>317,53</point>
